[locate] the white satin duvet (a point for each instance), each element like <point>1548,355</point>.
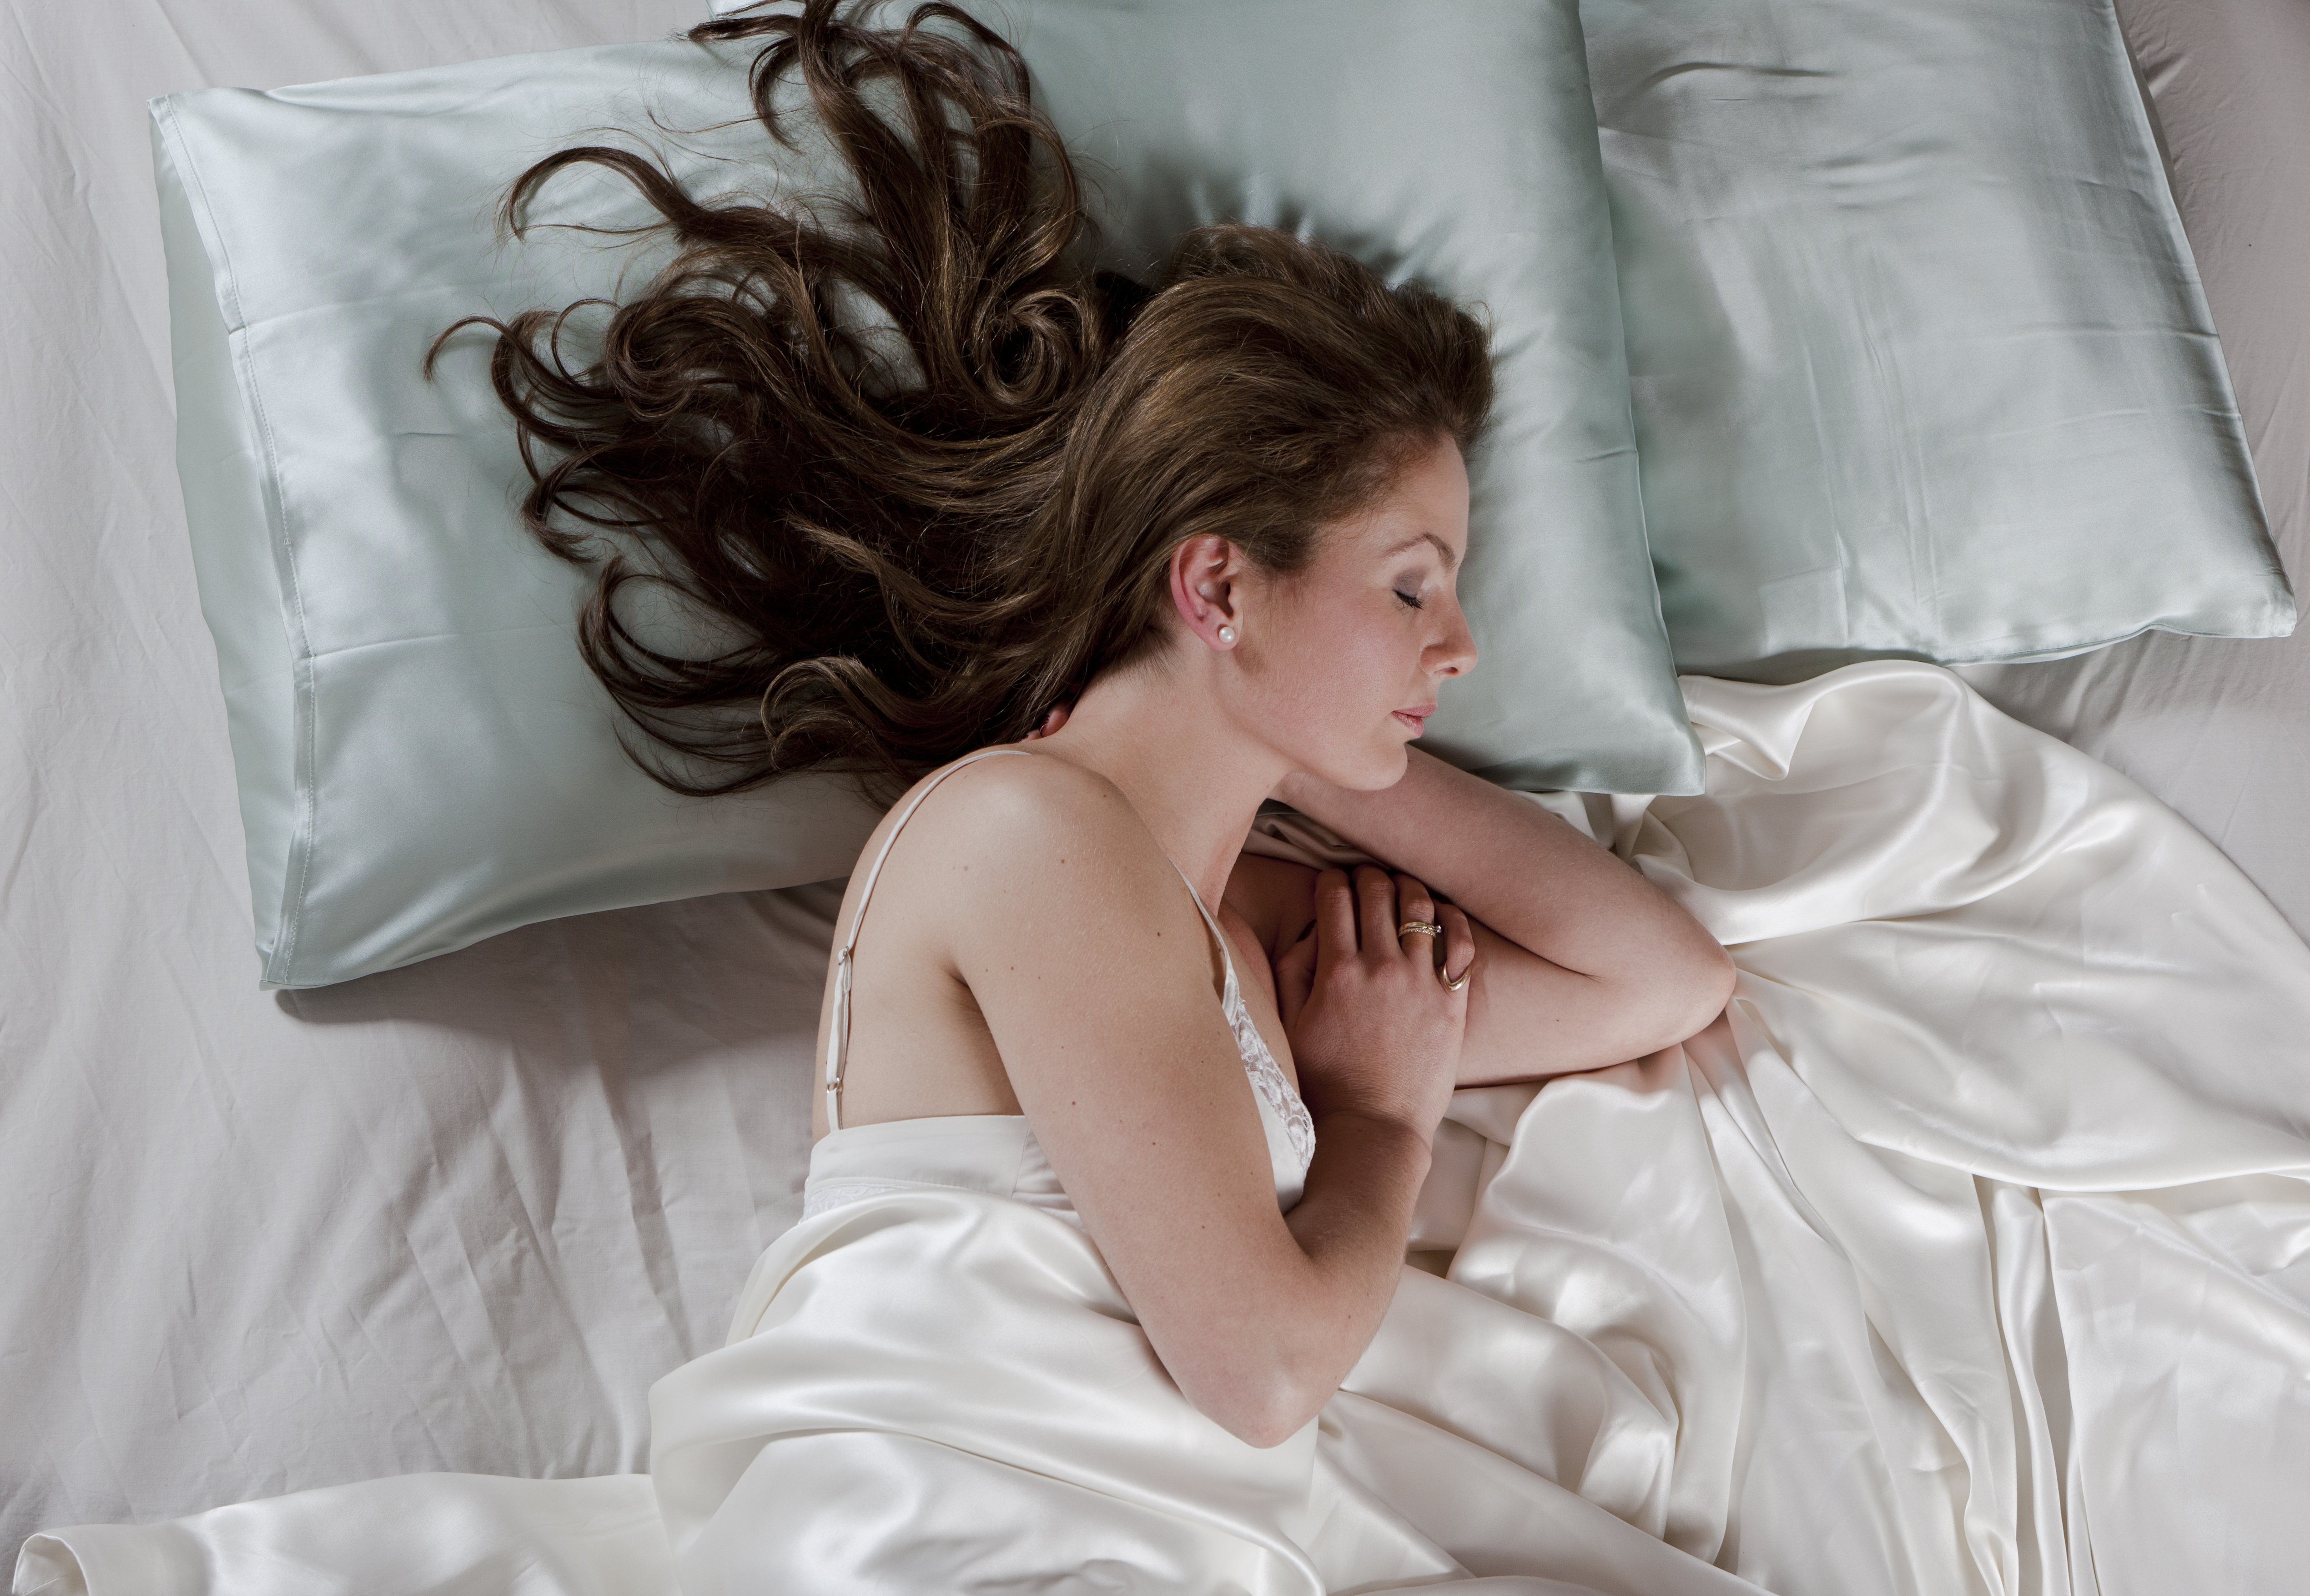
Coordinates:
<point>1969,1252</point>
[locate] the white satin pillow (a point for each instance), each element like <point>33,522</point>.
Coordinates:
<point>423,758</point>
<point>1920,360</point>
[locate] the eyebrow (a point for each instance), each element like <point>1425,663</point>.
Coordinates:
<point>1443,548</point>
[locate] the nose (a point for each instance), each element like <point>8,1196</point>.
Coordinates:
<point>1454,653</point>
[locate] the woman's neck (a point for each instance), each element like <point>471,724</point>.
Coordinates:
<point>1196,778</point>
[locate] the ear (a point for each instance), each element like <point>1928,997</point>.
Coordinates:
<point>1203,589</point>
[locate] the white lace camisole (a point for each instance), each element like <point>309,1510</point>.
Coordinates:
<point>998,1153</point>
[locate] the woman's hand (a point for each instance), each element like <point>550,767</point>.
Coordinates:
<point>1374,1029</point>
<point>1586,962</point>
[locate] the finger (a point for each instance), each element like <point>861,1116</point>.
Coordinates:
<point>1376,896</point>
<point>1459,942</point>
<point>1295,978</point>
<point>1414,902</point>
<point>1335,918</point>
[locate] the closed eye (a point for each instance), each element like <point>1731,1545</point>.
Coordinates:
<point>1411,599</point>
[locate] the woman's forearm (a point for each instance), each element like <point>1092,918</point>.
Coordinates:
<point>1517,868</point>
<point>1351,1224</point>
<point>1273,1372</point>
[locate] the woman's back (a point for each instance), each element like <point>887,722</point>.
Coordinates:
<point>958,1126</point>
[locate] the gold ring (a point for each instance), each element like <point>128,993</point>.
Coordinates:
<point>1463,981</point>
<point>1426,928</point>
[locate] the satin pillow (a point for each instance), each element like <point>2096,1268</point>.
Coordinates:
<point>1920,360</point>
<point>1454,142</point>
<point>424,761</point>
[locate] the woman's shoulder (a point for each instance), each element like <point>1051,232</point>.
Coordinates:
<point>1026,795</point>
<point>1028,817</point>
<point>1039,863</point>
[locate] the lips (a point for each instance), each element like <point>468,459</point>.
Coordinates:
<point>1416,718</point>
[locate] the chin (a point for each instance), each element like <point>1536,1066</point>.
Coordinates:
<point>1359,762</point>
<point>1377,772</point>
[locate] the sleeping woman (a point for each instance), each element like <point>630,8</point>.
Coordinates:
<point>1121,1127</point>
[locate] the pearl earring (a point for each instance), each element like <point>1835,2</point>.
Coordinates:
<point>1227,635</point>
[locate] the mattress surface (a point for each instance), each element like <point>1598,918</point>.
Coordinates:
<point>459,1217</point>
<point>456,1217</point>
<point>2221,729</point>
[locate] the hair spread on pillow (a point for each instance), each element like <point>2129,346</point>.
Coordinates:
<point>905,556</point>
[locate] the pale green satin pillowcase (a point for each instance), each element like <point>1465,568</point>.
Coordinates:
<point>423,758</point>
<point>1920,360</point>
<point>1452,142</point>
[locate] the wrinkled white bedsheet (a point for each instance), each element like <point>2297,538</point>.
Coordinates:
<point>1969,1252</point>
<point>459,1220</point>
<point>462,1216</point>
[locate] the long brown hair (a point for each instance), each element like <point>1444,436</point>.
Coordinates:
<point>903,559</point>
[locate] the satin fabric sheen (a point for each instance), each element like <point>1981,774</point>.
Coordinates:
<point>379,612</point>
<point>1969,1252</point>
<point>1918,352</point>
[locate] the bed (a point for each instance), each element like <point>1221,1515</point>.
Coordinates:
<point>2216,728</point>
<point>458,1217</point>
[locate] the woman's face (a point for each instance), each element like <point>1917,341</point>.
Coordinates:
<point>1344,658</point>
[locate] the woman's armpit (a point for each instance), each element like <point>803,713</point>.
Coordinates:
<point>1275,898</point>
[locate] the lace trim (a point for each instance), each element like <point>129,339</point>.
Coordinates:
<point>834,1193</point>
<point>1267,1077</point>
<point>1268,1080</point>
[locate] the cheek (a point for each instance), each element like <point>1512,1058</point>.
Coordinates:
<point>1343,659</point>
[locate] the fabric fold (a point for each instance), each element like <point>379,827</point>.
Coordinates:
<point>1968,1252</point>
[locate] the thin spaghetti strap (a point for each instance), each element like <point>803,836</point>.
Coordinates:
<point>838,1030</point>
<point>1232,996</point>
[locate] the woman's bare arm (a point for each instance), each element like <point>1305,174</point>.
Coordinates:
<point>1581,962</point>
<point>1044,895</point>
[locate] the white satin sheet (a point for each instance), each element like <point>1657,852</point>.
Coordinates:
<point>1969,1252</point>
<point>460,1216</point>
